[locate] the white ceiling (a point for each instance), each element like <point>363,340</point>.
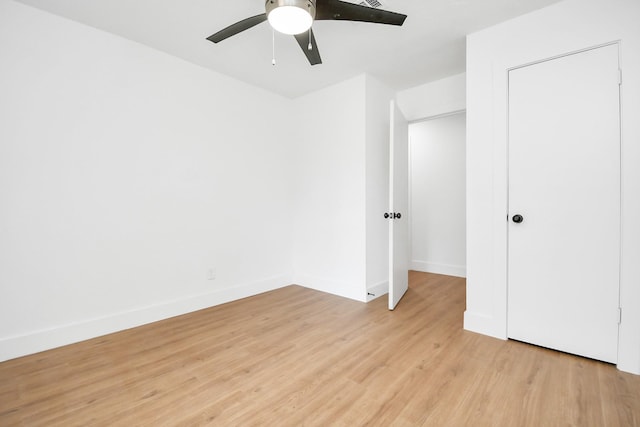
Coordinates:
<point>430,45</point>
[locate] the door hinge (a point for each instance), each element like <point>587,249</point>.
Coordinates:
<point>619,76</point>
<point>619,315</point>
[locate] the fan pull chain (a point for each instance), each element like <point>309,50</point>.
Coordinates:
<point>273,46</point>
<point>309,47</point>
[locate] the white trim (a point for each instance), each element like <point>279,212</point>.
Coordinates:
<point>60,335</point>
<point>483,324</point>
<point>331,286</point>
<point>573,52</point>
<point>438,116</point>
<point>434,267</point>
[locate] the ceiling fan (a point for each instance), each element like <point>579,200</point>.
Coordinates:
<point>294,17</point>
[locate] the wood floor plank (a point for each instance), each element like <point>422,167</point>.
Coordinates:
<point>298,357</point>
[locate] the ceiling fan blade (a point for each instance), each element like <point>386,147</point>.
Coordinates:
<point>313,55</point>
<point>343,11</point>
<point>238,27</point>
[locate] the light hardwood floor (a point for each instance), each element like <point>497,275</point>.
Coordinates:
<point>295,357</point>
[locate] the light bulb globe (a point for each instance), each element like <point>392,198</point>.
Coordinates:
<point>290,16</point>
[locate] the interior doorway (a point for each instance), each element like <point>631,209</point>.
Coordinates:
<point>437,194</point>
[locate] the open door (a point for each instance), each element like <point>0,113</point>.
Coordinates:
<point>398,206</point>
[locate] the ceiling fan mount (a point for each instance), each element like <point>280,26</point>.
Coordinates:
<point>295,17</point>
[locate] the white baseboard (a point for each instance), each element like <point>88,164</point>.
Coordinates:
<point>432,267</point>
<point>331,286</point>
<point>485,325</point>
<point>46,339</point>
<point>377,290</point>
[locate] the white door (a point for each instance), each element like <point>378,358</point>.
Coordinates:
<point>398,206</point>
<point>564,203</point>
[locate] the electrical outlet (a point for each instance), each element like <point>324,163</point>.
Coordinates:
<point>211,274</point>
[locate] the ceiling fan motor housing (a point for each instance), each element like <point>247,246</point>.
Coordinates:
<point>308,5</point>
<point>296,17</point>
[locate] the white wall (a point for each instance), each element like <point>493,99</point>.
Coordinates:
<point>434,98</point>
<point>437,194</point>
<point>564,27</point>
<point>329,178</point>
<point>125,174</point>
<point>341,192</point>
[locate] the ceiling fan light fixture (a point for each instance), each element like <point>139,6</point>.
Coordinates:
<point>290,16</point>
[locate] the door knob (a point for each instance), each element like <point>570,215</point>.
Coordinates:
<point>517,218</point>
<point>392,215</point>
